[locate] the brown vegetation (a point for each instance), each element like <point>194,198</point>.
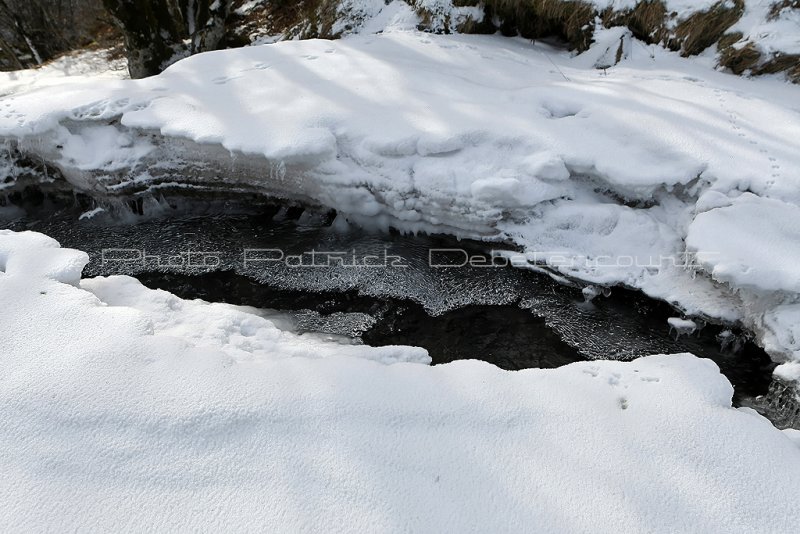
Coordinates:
<point>703,29</point>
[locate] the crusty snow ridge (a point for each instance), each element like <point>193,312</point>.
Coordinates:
<point>619,176</point>
<point>125,408</point>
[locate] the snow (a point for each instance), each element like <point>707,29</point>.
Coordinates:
<point>124,408</point>
<point>63,70</point>
<point>37,255</point>
<point>753,243</point>
<point>793,434</point>
<point>781,324</point>
<point>269,101</point>
<point>788,371</point>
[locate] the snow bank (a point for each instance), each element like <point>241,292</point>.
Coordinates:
<point>781,327</point>
<point>752,243</point>
<point>123,408</point>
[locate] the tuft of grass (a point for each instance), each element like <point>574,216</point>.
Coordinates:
<point>777,7</point>
<point>646,21</point>
<point>304,19</point>
<point>741,58</point>
<point>788,63</point>
<point>701,30</point>
<point>439,21</point>
<point>738,59</point>
<point>570,20</point>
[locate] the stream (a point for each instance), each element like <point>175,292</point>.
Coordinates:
<point>454,298</point>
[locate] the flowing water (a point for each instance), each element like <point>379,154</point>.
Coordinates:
<point>446,295</point>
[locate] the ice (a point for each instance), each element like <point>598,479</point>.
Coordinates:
<point>124,407</point>
<point>91,213</point>
<point>682,326</point>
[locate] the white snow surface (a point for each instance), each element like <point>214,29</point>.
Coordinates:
<point>752,243</point>
<point>128,409</point>
<point>63,70</point>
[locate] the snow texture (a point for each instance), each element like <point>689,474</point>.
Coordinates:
<point>752,243</point>
<point>128,409</point>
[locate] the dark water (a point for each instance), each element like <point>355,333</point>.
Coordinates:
<point>382,289</point>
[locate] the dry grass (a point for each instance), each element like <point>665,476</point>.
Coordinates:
<point>646,21</point>
<point>311,18</point>
<point>703,29</point>
<point>304,19</point>
<point>777,7</point>
<point>737,59</point>
<point>748,58</point>
<point>571,20</point>
<point>788,63</point>
<point>441,22</point>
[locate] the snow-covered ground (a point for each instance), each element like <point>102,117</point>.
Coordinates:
<point>64,70</point>
<point>124,408</point>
